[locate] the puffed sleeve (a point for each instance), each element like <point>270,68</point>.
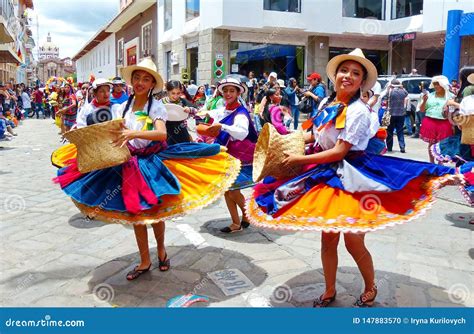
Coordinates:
<point>158,111</point>
<point>358,124</point>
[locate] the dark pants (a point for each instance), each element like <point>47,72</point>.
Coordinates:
<point>295,113</point>
<point>419,118</point>
<point>396,123</point>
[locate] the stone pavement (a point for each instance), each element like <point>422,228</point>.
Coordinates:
<point>51,256</point>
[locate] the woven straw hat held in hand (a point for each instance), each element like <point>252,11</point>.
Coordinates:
<point>270,152</point>
<point>95,148</point>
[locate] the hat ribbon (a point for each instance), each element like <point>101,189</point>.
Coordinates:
<point>143,117</point>
<point>335,113</point>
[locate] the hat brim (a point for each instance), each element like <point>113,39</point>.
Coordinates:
<point>127,76</point>
<point>367,64</point>
<point>243,89</point>
<point>470,78</point>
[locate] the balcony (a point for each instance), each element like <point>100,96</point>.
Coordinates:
<point>8,54</point>
<point>7,16</point>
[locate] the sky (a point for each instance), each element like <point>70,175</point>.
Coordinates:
<point>71,23</point>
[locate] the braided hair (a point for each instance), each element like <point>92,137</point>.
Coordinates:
<point>129,102</point>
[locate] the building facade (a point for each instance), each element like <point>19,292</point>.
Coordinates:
<point>49,63</point>
<point>16,42</point>
<point>125,40</point>
<point>206,39</point>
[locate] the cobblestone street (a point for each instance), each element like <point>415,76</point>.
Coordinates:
<point>51,256</point>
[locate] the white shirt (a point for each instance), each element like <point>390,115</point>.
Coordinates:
<point>360,127</point>
<point>89,108</point>
<point>467,105</point>
<point>25,98</point>
<point>377,89</point>
<point>239,130</point>
<point>157,111</point>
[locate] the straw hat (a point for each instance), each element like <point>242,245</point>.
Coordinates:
<point>232,82</point>
<point>94,146</point>
<point>269,153</point>
<point>146,65</point>
<point>358,56</point>
<point>175,112</point>
<point>470,78</point>
<point>101,82</point>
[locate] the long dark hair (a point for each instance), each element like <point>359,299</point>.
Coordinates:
<point>463,74</point>
<point>266,117</point>
<point>129,102</point>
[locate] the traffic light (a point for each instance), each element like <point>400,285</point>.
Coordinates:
<point>219,66</point>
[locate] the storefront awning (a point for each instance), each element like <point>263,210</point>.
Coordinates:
<point>265,52</point>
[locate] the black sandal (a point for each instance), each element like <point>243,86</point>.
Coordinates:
<point>244,224</point>
<point>363,300</point>
<point>320,302</point>
<point>229,230</point>
<point>135,273</point>
<point>165,264</point>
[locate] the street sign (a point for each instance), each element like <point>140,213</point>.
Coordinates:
<point>409,36</point>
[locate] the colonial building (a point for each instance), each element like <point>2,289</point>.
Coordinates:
<point>49,63</point>
<point>16,41</point>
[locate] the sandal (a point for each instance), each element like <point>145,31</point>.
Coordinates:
<point>165,264</point>
<point>229,230</point>
<point>320,302</point>
<point>364,300</point>
<point>244,224</point>
<point>135,273</point>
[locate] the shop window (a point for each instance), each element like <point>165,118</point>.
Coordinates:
<point>406,8</point>
<point>283,5</point>
<point>192,9</point>
<point>146,39</point>
<point>168,14</point>
<point>364,9</point>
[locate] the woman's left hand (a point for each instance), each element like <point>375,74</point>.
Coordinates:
<point>291,160</point>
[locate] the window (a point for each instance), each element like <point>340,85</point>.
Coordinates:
<point>283,5</point>
<point>146,39</point>
<point>406,8</point>
<point>192,9</point>
<point>120,51</point>
<point>364,9</point>
<point>168,15</point>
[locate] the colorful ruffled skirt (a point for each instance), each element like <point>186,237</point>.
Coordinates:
<point>151,187</point>
<point>364,192</point>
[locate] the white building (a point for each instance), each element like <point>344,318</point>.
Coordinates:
<point>97,57</point>
<point>48,50</point>
<point>295,37</point>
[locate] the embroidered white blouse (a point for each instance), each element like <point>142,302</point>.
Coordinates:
<point>360,127</point>
<point>89,108</point>
<point>157,111</point>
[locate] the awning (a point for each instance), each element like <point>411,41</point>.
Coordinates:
<point>6,36</point>
<point>7,55</point>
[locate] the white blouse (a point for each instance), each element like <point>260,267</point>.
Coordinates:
<point>467,105</point>
<point>360,127</point>
<point>157,111</point>
<point>239,130</point>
